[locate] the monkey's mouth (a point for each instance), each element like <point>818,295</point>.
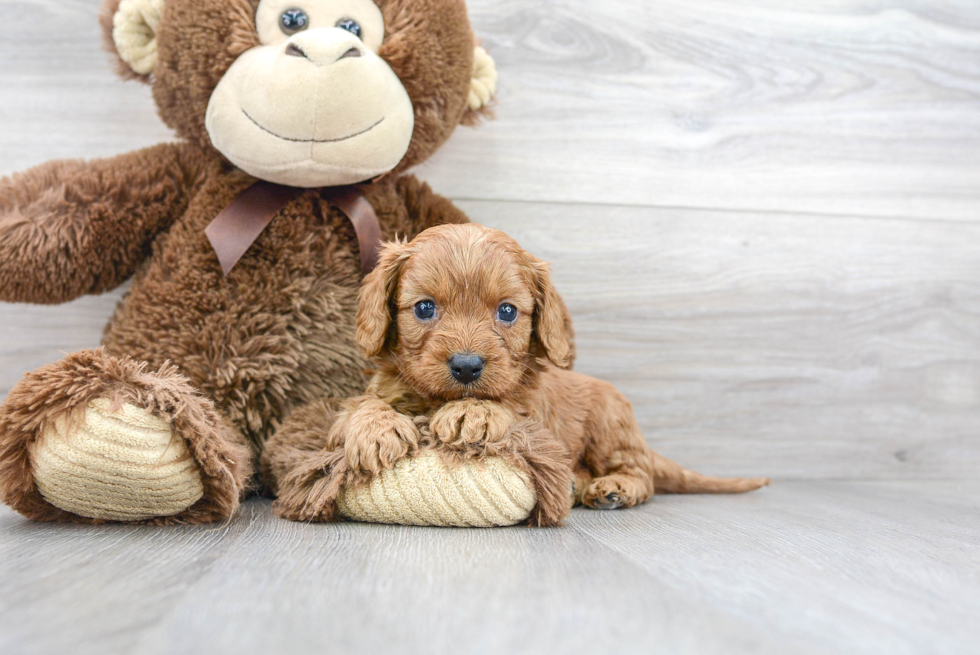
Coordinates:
<point>286,138</point>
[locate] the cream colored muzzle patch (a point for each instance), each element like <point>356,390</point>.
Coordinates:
<point>424,490</point>
<point>134,28</point>
<point>122,466</point>
<point>302,114</point>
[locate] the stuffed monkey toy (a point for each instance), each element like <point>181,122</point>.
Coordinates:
<point>246,241</point>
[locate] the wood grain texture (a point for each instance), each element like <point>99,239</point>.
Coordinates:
<point>60,98</point>
<point>802,567</point>
<point>759,344</point>
<point>764,216</point>
<point>867,107</point>
<point>857,107</point>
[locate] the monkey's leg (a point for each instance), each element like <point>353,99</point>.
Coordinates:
<point>302,468</point>
<point>95,438</point>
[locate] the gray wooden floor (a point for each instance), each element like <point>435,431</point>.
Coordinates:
<point>811,567</point>
<point>765,217</point>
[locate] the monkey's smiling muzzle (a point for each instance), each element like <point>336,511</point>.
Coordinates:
<point>311,140</point>
<point>315,108</point>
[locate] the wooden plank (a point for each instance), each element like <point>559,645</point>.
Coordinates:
<point>95,589</point>
<point>61,98</point>
<point>802,567</point>
<point>759,344</point>
<point>849,107</point>
<point>846,107</point>
<point>828,567</point>
<point>32,335</point>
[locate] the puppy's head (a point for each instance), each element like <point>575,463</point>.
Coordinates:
<point>462,311</point>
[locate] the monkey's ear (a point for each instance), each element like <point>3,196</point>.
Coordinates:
<point>552,321</point>
<point>377,294</point>
<point>129,29</point>
<point>483,86</point>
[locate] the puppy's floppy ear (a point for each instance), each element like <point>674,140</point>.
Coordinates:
<point>377,293</point>
<point>552,322</point>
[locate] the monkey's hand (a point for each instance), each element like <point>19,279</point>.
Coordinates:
<point>472,424</point>
<point>374,436</point>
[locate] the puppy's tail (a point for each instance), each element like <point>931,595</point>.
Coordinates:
<point>672,478</point>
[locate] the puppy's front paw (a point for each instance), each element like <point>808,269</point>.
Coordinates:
<point>376,436</point>
<point>471,423</point>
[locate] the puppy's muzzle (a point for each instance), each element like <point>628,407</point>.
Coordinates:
<point>466,368</point>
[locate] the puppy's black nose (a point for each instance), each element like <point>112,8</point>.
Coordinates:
<point>466,367</point>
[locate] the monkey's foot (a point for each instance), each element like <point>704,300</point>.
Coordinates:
<point>116,465</point>
<point>96,438</point>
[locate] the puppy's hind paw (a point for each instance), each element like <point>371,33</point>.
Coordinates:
<point>611,492</point>
<point>611,500</point>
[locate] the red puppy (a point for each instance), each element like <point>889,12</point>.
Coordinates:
<point>473,346</point>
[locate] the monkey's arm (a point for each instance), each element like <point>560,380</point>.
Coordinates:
<point>70,228</point>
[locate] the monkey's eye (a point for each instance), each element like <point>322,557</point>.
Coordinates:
<point>350,25</point>
<point>507,312</point>
<point>293,20</point>
<point>425,309</point>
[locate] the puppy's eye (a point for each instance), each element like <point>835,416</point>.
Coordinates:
<point>350,25</point>
<point>425,309</point>
<point>293,20</point>
<point>507,313</point>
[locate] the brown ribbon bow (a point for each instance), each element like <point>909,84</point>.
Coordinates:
<point>237,226</point>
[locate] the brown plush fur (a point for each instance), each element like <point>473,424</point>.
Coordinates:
<point>70,228</point>
<point>414,401</point>
<point>275,334</point>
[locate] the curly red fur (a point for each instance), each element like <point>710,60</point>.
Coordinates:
<point>525,405</point>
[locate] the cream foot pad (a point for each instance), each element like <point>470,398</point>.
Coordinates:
<point>423,490</point>
<point>123,466</point>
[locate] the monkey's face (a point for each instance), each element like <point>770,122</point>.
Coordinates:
<point>307,93</point>
<point>313,105</point>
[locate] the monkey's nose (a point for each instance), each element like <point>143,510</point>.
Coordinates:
<point>466,368</point>
<point>324,46</point>
<point>294,50</point>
